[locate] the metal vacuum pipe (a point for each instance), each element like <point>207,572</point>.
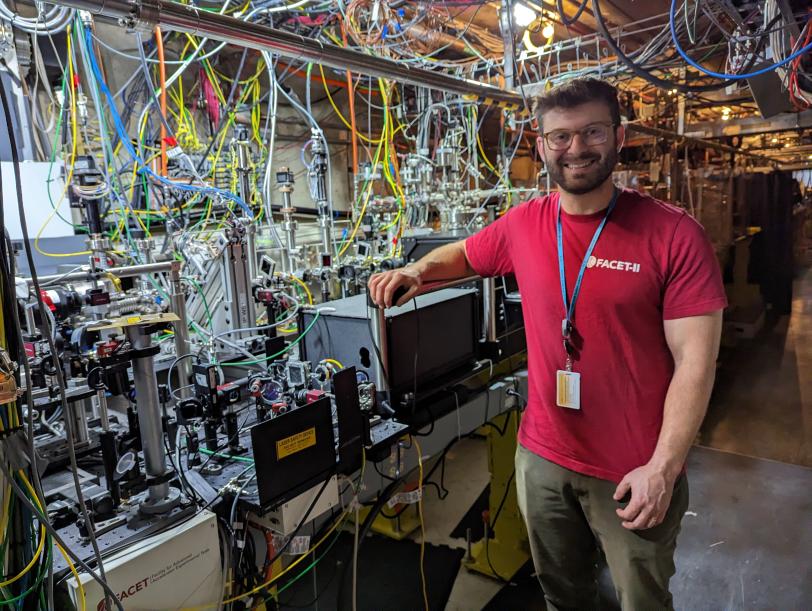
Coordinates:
<point>127,271</point>
<point>176,17</point>
<point>159,496</point>
<point>178,300</point>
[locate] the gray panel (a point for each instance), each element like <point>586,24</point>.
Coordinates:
<point>343,332</point>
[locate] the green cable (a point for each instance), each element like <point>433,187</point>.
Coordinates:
<point>43,572</point>
<point>221,455</point>
<point>6,537</point>
<point>311,565</point>
<point>314,563</point>
<point>203,297</point>
<point>281,352</point>
<point>146,199</point>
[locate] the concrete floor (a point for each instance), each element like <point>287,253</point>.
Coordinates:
<point>762,403</point>
<point>761,408</point>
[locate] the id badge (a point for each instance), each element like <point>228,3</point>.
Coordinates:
<point>568,389</point>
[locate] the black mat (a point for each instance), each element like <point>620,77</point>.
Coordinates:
<point>744,543</point>
<point>388,576</point>
<point>473,518</point>
<point>524,593</point>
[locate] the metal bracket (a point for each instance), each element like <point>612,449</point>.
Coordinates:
<point>144,16</point>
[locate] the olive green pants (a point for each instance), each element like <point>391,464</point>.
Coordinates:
<point>570,517</point>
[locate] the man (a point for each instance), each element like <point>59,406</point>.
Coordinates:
<point>621,359</point>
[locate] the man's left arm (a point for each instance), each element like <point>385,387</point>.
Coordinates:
<point>694,344</point>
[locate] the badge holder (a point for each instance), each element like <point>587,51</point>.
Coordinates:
<point>567,381</point>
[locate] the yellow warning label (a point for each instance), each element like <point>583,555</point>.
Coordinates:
<point>295,443</point>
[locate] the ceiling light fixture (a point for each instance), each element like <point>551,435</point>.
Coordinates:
<point>548,31</point>
<point>523,15</point>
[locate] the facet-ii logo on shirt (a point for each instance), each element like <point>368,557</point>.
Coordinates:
<point>623,266</point>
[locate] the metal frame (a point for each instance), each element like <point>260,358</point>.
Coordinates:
<point>171,16</point>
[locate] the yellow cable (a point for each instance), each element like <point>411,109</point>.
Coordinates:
<point>334,362</point>
<point>340,116</point>
<point>74,141</point>
<point>6,507</point>
<point>305,287</point>
<point>41,544</point>
<point>397,190</point>
<point>82,598</point>
<point>210,73</point>
<point>363,209</point>
<point>114,279</point>
<point>339,521</point>
<point>397,218</point>
<point>230,119</point>
<point>34,496</point>
<point>487,161</point>
<point>422,523</point>
<point>350,239</point>
<point>140,222</point>
<point>484,156</point>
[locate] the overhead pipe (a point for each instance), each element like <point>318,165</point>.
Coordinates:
<point>717,146</point>
<point>171,16</point>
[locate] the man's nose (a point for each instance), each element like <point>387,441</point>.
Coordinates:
<point>577,145</point>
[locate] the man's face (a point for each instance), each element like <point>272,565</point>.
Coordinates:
<point>582,166</point>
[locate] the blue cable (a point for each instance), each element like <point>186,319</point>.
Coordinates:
<point>125,140</point>
<point>738,77</point>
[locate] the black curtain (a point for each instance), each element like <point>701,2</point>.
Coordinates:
<point>766,201</point>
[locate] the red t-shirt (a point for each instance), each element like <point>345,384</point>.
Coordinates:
<point>652,262</point>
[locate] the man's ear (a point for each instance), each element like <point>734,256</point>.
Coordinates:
<point>540,148</point>
<point>620,137</point>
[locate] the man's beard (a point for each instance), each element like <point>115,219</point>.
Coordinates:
<point>589,179</point>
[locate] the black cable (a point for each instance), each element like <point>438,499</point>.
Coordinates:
<point>377,352</point>
<point>414,390</point>
<point>52,347</point>
<point>317,536</point>
<point>378,471</point>
<point>302,522</point>
<point>655,80</point>
<point>365,527</point>
<point>279,552</point>
<point>314,600</point>
<point>492,524</point>
<point>236,435</point>
<point>52,531</point>
<point>517,80</point>
<point>568,21</point>
<point>504,498</point>
<point>184,484</point>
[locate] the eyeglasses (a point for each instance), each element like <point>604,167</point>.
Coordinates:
<point>591,135</point>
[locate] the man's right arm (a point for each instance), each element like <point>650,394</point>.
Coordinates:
<point>448,262</point>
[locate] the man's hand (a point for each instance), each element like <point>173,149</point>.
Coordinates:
<point>382,287</point>
<point>651,491</point>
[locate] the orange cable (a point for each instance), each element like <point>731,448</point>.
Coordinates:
<point>159,41</point>
<point>351,95</point>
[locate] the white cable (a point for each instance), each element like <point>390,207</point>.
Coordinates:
<point>355,558</point>
<point>267,188</point>
<point>274,9</point>
<point>193,57</point>
<point>54,20</point>
<point>284,321</point>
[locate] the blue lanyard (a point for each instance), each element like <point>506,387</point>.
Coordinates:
<point>569,306</point>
